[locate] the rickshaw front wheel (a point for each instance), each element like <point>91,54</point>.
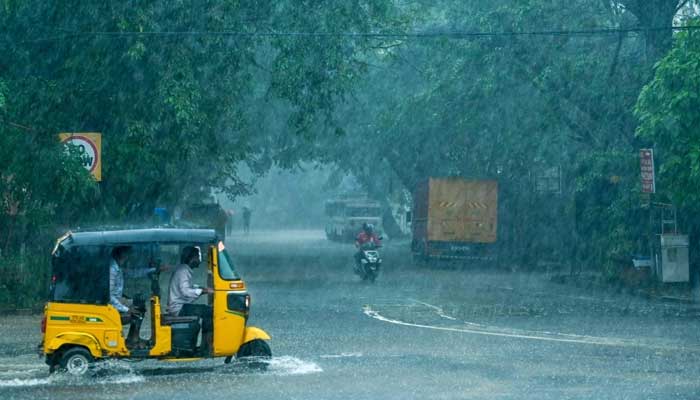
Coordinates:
<point>255,354</point>
<point>76,361</point>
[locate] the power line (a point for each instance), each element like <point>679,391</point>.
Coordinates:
<point>68,34</point>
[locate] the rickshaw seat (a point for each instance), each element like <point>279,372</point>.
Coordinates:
<point>167,319</point>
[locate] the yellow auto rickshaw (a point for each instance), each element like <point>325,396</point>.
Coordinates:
<point>81,327</point>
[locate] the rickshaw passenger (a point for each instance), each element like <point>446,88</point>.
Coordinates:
<point>182,293</point>
<point>128,313</point>
<point>116,277</point>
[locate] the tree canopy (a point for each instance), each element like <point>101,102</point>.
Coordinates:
<point>542,95</point>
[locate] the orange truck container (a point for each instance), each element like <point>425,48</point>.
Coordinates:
<point>454,218</point>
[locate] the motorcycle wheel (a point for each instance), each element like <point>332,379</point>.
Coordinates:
<point>364,274</point>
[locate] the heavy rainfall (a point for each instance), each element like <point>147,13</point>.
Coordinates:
<point>370,199</point>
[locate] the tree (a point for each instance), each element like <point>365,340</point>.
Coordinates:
<point>174,87</point>
<point>174,109</point>
<point>670,118</point>
<point>656,17</point>
<point>509,107</point>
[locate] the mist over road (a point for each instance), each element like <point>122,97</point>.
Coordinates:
<point>423,333</point>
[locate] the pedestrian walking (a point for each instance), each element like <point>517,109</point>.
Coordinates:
<point>246,219</point>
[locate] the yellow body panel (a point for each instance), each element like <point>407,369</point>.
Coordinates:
<point>161,333</point>
<point>96,327</point>
<point>75,338</point>
<point>229,326</point>
<point>252,333</point>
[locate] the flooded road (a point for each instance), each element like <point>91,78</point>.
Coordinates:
<point>417,333</point>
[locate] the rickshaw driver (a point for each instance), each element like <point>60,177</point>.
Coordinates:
<point>182,293</point>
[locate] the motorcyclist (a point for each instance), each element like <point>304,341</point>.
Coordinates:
<point>367,235</point>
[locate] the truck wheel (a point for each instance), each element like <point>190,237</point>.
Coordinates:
<point>420,260</point>
<point>76,361</point>
<point>255,354</point>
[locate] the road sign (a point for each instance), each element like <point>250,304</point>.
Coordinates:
<point>646,161</point>
<point>90,148</point>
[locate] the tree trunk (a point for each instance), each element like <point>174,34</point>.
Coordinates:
<point>652,16</point>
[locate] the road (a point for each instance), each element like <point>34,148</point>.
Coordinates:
<point>417,333</point>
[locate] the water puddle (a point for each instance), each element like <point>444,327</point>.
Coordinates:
<point>65,380</point>
<point>113,372</point>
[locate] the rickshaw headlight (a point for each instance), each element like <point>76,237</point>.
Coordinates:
<point>238,302</point>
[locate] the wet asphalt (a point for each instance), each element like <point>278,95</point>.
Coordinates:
<point>446,332</point>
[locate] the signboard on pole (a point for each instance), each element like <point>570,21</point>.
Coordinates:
<point>646,161</point>
<point>90,148</point>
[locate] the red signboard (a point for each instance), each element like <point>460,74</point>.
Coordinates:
<point>646,161</point>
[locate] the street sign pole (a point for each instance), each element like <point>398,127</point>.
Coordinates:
<point>646,164</point>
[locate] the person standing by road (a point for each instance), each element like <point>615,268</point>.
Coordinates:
<point>229,221</point>
<point>246,219</point>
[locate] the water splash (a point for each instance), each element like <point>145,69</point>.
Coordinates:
<point>342,355</point>
<point>287,365</point>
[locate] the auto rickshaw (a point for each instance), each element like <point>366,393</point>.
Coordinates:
<point>81,327</point>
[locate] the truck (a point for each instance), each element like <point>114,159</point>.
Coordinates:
<point>346,215</point>
<point>455,218</point>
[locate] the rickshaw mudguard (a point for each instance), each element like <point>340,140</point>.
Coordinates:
<point>75,339</point>
<point>252,333</point>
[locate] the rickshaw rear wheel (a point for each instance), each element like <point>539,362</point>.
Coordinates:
<point>255,354</point>
<point>76,361</point>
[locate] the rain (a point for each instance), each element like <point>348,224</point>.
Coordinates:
<point>371,199</point>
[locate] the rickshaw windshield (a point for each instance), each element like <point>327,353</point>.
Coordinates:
<point>226,270</point>
<point>80,275</point>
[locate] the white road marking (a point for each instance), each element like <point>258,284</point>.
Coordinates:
<point>486,331</point>
<point>438,310</point>
<point>492,328</point>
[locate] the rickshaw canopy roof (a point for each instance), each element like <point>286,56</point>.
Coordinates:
<point>138,236</point>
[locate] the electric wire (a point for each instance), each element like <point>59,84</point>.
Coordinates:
<point>64,34</point>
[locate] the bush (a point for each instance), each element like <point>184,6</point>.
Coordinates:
<point>23,281</point>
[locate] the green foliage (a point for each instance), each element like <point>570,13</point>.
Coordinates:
<point>507,108</point>
<point>24,281</point>
<point>669,113</point>
<point>178,112</point>
<point>175,110</point>
<point>181,113</point>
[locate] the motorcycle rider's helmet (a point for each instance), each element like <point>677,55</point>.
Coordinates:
<point>368,228</point>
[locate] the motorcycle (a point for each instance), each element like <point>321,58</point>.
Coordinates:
<point>368,263</point>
